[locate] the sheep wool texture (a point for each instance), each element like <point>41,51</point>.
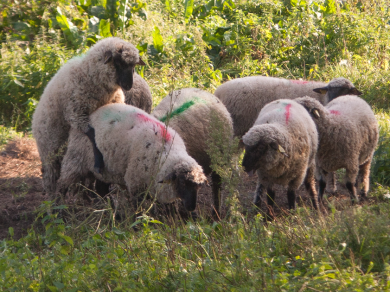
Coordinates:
<point>80,87</point>
<point>189,111</point>
<point>289,125</point>
<point>245,97</point>
<point>348,133</point>
<point>139,151</point>
<point>139,95</point>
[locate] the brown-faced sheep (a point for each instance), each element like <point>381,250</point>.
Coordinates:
<point>81,86</point>
<point>348,135</point>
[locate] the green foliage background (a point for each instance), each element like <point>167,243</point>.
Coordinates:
<point>191,43</point>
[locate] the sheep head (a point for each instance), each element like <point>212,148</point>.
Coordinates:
<point>338,87</point>
<point>186,184</point>
<point>265,147</point>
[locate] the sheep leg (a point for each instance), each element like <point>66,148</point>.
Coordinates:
<point>331,186</point>
<point>364,175</point>
<point>270,203</point>
<point>260,190</point>
<point>99,162</point>
<point>351,180</point>
<point>51,168</point>
<point>291,199</point>
<point>310,185</point>
<point>322,185</point>
<point>216,181</point>
<point>102,188</point>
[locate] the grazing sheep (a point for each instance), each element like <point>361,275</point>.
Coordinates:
<point>139,95</point>
<point>281,146</point>
<point>81,86</point>
<point>348,135</point>
<point>190,112</point>
<point>139,152</point>
<point>245,97</point>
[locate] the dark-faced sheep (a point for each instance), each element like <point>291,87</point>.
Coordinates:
<point>281,147</point>
<point>139,152</point>
<point>190,112</point>
<point>81,86</point>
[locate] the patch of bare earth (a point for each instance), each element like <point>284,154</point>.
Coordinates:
<point>20,186</point>
<point>21,192</point>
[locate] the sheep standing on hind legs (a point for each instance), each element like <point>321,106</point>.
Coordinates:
<point>348,133</point>
<point>80,87</point>
<point>191,112</point>
<point>281,147</point>
<point>139,152</point>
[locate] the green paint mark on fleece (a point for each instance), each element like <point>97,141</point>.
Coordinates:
<point>182,108</point>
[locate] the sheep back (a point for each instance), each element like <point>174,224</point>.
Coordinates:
<point>348,132</point>
<point>245,97</point>
<point>190,112</point>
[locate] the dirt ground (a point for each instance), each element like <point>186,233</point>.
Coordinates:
<point>21,190</point>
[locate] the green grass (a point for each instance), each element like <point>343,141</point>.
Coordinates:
<point>345,251</point>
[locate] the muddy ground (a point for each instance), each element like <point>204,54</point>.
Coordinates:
<point>21,190</point>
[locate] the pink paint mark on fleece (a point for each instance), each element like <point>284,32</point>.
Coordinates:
<point>163,129</point>
<point>299,81</point>
<point>287,113</point>
<point>333,112</point>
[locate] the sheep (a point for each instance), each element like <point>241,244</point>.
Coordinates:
<point>139,152</point>
<point>245,97</point>
<point>139,95</point>
<point>281,147</point>
<point>348,133</point>
<point>81,86</point>
<point>190,112</point>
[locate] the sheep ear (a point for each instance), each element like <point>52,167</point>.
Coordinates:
<point>316,113</point>
<point>107,57</point>
<point>321,90</point>
<point>354,91</point>
<point>169,178</point>
<point>140,62</point>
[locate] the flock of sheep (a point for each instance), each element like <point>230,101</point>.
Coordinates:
<point>93,120</point>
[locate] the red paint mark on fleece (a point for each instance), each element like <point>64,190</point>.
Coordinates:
<point>161,126</point>
<point>287,113</point>
<point>299,81</point>
<point>335,112</point>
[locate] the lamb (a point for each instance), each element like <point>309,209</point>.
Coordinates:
<point>81,86</point>
<point>139,152</point>
<point>348,133</point>
<point>139,95</point>
<point>281,147</point>
<point>190,112</point>
<point>245,97</point>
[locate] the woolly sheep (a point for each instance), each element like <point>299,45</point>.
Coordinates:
<point>281,147</point>
<point>245,97</point>
<point>139,152</point>
<point>139,95</point>
<point>190,112</point>
<point>348,133</point>
<point>81,86</point>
